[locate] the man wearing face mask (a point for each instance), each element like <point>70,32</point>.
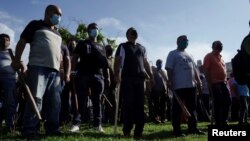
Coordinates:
<point>91,72</point>
<point>43,76</point>
<point>132,65</point>
<point>183,80</point>
<point>215,71</point>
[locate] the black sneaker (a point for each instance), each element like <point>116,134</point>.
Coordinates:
<point>54,133</point>
<point>157,121</point>
<point>32,136</point>
<point>164,121</point>
<point>243,124</point>
<point>137,136</point>
<point>178,134</point>
<point>126,135</point>
<point>196,131</point>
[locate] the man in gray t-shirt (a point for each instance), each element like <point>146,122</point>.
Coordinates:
<point>43,77</point>
<point>183,80</point>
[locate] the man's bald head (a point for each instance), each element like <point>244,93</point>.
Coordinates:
<point>50,10</point>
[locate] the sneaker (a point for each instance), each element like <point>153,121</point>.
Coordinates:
<point>164,121</point>
<point>137,136</point>
<point>54,133</point>
<point>196,131</point>
<point>243,123</point>
<point>99,129</point>
<point>74,128</point>
<point>32,136</point>
<point>156,120</point>
<point>126,135</point>
<point>178,134</point>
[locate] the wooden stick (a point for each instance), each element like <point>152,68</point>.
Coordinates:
<point>183,107</point>
<point>27,89</point>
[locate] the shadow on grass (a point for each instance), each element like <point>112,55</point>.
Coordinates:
<point>86,133</point>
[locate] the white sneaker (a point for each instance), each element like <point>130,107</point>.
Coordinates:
<point>99,129</point>
<point>74,128</point>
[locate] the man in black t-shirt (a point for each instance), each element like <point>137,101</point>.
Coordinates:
<point>91,72</point>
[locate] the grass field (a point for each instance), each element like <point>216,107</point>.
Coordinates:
<point>152,132</point>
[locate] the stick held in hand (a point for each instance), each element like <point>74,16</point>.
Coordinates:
<point>27,89</point>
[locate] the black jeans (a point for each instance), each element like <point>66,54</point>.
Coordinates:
<point>159,103</point>
<point>94,83</point>
<point>222,102</point>
<point>187,96</point>
<point>132,92</point>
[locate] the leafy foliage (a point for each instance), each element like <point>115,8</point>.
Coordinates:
<point>82,33</point>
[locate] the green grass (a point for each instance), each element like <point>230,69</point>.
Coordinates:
<point>151,132</point>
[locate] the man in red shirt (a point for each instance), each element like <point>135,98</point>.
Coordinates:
<point>215,71</point>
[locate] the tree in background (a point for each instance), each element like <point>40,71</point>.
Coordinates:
<point>82,33</point>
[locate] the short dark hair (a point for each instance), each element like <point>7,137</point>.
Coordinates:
<point>131,29</point>
<point>3,35</point>
<point>215,44</point>
<point>158,61</point>
<point>109,50</point>
<point>90,26</point>
<point>71,39</point>
<point>180,38</point>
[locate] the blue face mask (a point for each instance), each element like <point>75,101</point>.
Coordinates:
<point>55,19</point>
<point>183,44</point>
<point>93,33</point>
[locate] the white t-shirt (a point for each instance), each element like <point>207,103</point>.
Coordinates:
<point>6,71</point>
<point>183,67</point>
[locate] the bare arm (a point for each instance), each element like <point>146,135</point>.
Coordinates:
<point>165,78</point>
<point>197,77</point>
<point>16,63</point>
<point>170,78</point>
<point>74,61</point>
<point>117,72</point>
<point>148,68</point>
<point>149,71</point>
<point>67,68</point>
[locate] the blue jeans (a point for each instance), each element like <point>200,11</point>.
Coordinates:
<point>9,97</point>
<point>44,84</point>
<point>96,84</point>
